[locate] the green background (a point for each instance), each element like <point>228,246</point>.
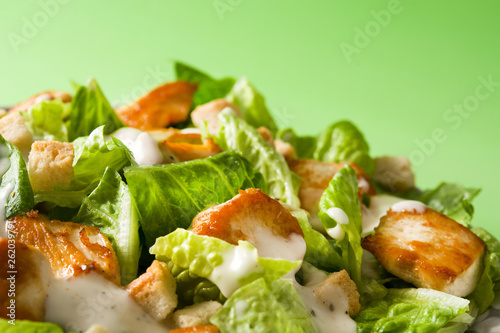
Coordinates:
<point>397,83</point>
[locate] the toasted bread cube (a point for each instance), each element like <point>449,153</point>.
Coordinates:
<point>28,286</point>
<point>339,282</point>
<point>13,130</point>
<point>394,173</point>
<point>429,250</point>
<point>208,113</point>
<point>266,134</point>
<point>154,291</point>
<point>197,329</point>
<point>50,164</point>
<point>196,315</point>
<point>97,329</point>
<point>285,149</point>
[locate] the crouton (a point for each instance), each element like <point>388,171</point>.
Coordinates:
<point>428,249</point>
<point>71,248</point>
<point>197,329</point>
<point>31,275</point>
<point>266,134</point>
<point>208,113</point>
<point>394,173</point>
<point>163,106</point>
<point>196,315</point>
<point>43,96</point>
<point>335,283</point>
<point>50,164</point>
<point>97,329</point>
<point>13,130</point>
<point>189,146</point>
<point>154,291</point>
<point>285,149</point>
<point>254,217</point>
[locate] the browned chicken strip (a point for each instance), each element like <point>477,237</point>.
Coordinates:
<point>43,96</point>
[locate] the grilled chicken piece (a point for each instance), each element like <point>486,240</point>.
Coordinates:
<point>30,283</point>
<point>316,177</point>
<point>163,106</point>
<point>43,96</point>
<point>71,248</point>
<point>285,149</point>
<point>209,113</point>
<point>266,134</point>
<point>429,250</point>
<point>189,146</point>
<point>254,217</point>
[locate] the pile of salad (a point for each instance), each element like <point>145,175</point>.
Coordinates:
<point>190,210</point>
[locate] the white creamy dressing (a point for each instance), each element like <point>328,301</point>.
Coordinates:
<point>238,262</point>
<point>409,206</point>
<point>77,303</point>
<point>272,246</point>
<point>336,232</point>
<point>192,130</point>
<point>328,318</point>
<point>379,205</point>
<point>141,144</point>
<point>341,218</point>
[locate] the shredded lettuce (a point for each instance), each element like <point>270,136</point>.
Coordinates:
<point>343,142</point>
<point>413,310</point>
<point>110,208</point>
<point>45,121</point>
<point>15,187</point>
<point>263,307</point>
<point>89,110</point>
<point>236,134</point>
<point>203,255</point>
<point>170,196</point>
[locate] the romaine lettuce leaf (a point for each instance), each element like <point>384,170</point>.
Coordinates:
<point>208,87</point>
<point>342,193</point>
<point>343,142</point>
<point>45,121</point>
<point>227,266</point>
<point>262,307</point>
<point>452,200</point>
<point>252,105</point>
<point>26,326</point>
<point>236,134</point>
<point>170,196</point>
<point>15,188</point>
<point>412,310</point>
<point>89,110</point>
<point>93,154</point>
<point>110,208</point>
<point>304,145</point>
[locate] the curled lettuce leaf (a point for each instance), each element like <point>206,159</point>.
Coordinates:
<point>89,110</point>
<point>15,186</point>
<point>109,207</point>
<point>343,142</point>
<point>262,307</point>
<point>204,254</point>
<point>26,326</point>
<point>252,105</point>
<point>208,87</point>
<point>452,200</point>
<point>414,310</point>
<point>45,121</point>
<point>170,196</point>
<point>93,154</point>
<point>236,134</point>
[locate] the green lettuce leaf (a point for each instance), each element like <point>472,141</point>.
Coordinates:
<point>93,154</point>
<point>45,121</point>
<point>343,142</point>
<point>208,87</point>
<point>452,200</point>
<point>170,196</point>
<point>15,188</point>
<point>412,310</point>
<point>227,266</point>
<point>252,105</point>
<point>342,193</point>
<point>26,326</point>
<point>236,134</point>
<point>263,307</point>
<point>89,110</point>
<point>110,208</point>
<point>304,145</point>
<point>484,293</point>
